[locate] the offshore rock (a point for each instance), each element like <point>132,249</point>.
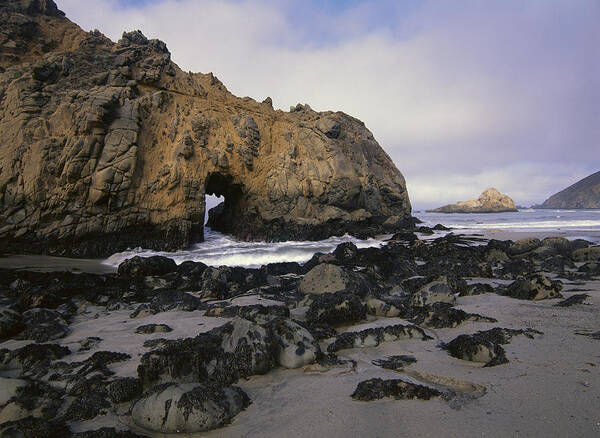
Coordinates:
<point>490,201</point>
<point>107,146</point>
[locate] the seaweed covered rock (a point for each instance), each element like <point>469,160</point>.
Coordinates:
<point>11,323</point>
<point>107,432</point>
<point>238,349</point>
<point>524,246</point>
<point>335,309</point>
<point>188,408</point>
<point>295,345</point>
<point>139,267</point>
<point>43,325</point>
<point>536,287</point>
<point>591,254</point>
<point>31,427</point>
<point>375,389</point>
<point>372,337</point>
<point>443,315</point>
<point>167,300</point>
<point>124,389</point>
<point>32,358</point>
<point>396,363</point>
<point>257,313</point>
<point>485,346</point>
<point>148,329</point>
<point>328,278</point>
<point>438,291</point>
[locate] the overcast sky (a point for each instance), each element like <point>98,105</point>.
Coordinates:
<point>462,95</point>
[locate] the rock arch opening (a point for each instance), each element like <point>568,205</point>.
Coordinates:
<point>224,216</point>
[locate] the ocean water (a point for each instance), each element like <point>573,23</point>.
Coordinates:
<point>219,249</point>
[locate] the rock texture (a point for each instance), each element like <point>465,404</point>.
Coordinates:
<point>490,201</point>
<point>105,146</point>
<point>583,194</point>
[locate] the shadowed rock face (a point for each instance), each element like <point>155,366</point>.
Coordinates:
<point>490,201</point>
<point>583,194</point>
<point>105,146</point>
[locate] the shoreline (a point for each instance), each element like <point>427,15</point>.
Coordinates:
<point>45,263</point>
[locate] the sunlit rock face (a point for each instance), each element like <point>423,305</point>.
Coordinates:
<point>490,201</point>
<point>105,146</point>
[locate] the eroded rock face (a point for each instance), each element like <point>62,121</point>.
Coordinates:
<point>490,201</point>
<point>105,146</point>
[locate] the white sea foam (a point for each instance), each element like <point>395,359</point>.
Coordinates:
<point>219,249</point>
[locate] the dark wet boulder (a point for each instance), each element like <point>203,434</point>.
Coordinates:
<point>345,252</point>
<point>515,268</point>
<point>166,300</point>
<point>478,289</point>
<point>43,325</point>
<point>328,278</point>
<point>257,313</point>
<point>404,236</point>
<point>188,408</point>
<point>590,268</point>
<point>395,362</point>
<point>536,287</point>
<point>227,282</point>
<point>107,432</point>
<point>591,254</point>
<point>124,389</point>
<point>140,267</point>
<point>32,357</point>
<point>572,300</point>
<point>559,245</point>
<point>557,264</point>
<point>476,348</point>
<point>524,246</point>
<point>335,309</point>
<point>440,227</point>
<point>283,268</point>
<point>443,315</point>
<point>380,307</point>
<point>437,291</point>
<point>191,269</point>
<point>485,346</point>
<point>11,323</point>
<point>30,397</point>
<point>372,337</point>
<point>86,407</point>
<point>375,389</point>
<point>235,350</point>
<point>148,329</point>
<point>295,346</point>
<point>31,427</point>
<point>424,230</point>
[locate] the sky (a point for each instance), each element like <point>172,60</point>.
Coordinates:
<point>462,95</point>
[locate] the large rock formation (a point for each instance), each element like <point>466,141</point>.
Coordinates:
<point>583,194</point>
<point>105,146</point>
<point>490,201</point>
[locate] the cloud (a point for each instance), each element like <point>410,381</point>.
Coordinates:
<point>501,94</point>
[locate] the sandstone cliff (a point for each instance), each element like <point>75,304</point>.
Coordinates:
<point>105,146</point>
<point>490,201</point>
<point>583,194</point>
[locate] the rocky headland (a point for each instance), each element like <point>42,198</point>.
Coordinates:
<point>164,348</point>
<point>583,194</point>
<point>490,201</point>
<point>105,146</point>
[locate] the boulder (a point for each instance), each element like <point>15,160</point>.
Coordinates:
<point>124,389</point>
<point>376,388</point>
<point>591,254</point>
<point>328,278</point>
<point>524,245</point>
<point>238,349</point>
<point>372,337</point>
<point>148,329</point>
<point>139,267</point>
<point>490,201</point>
<point>438,291</point>
<point>295,345</point>
<point>536,287</point>
<point>188,408</point>
<point>335,309</point>
<point>11,323</point>
<point>43,325</point>
<point>378,307</point>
